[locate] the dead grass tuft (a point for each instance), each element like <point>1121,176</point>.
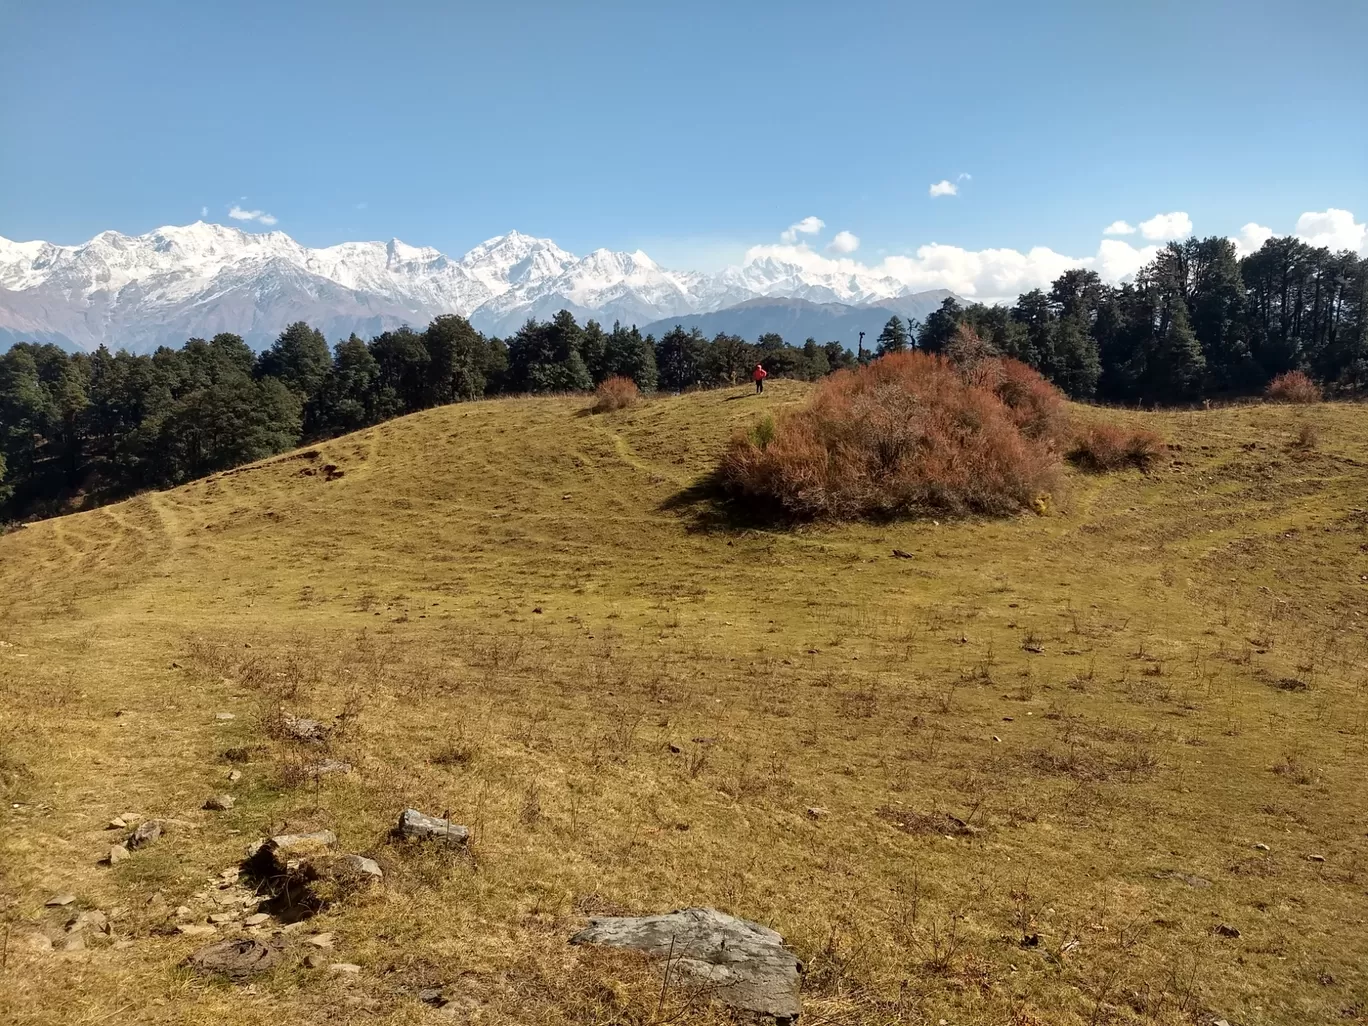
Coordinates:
<point>1103,447</point>
<point>616,393</point>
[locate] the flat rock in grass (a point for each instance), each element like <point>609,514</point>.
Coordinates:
<point>739,963</point>
<point>238,959</point>
<point>301,729</point>
<point>147,833</point>
<point>219,803</point>
<point>117,853</point>
<point>58,900</point>
<point>362,865</point>
<point>196,930</point>
<point>418,826</point>
<point>330,766</point>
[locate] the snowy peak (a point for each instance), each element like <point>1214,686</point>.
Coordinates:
<point>140,291</point>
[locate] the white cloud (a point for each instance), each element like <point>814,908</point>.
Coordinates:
<point>1176,225</point>
<point>1119,228</point>
<point>204,211</point>
<point>1251,238</point>
<point>844,242</point>
<point>1000,275</point>
<point>260,216</point>
<point>807,226</point>
<point>944,187</point>
<point>1335,229</point>
<point>964,176</point>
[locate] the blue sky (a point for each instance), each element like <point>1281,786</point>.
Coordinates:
<point>693,131</point>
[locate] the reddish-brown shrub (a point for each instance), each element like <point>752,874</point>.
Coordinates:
<point>1104,447</point>
<point>906,433</point>
<point>1293,387</point>
<point>615,393</point>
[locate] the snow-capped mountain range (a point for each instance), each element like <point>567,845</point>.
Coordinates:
<point>139,292</point>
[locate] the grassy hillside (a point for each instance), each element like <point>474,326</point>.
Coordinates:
<point>515,622</point>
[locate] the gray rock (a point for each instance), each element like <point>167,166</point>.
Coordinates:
<point>418,826</point>
<point>320,838</point>
<point>234,776</point>
<point>57,900</point>
<point>256,919</point>
<point>238,959</point>
<point>302,729</point>
<point>91,920</point>
<point>330,766</point>
<point>364,866</point>
<point>740,963</point>
<point>117,853</point>
<point>193,930</point>
<point>344,967</point>
<point>219,803</point>
<point>147,833</point>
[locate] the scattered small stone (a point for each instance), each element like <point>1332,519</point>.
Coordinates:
<point>74,942</point>
<point>997,739</point>
<point>418,826</point>
<point>234,776</point>
<point>220,918</point>
<point>219,803</point>
<point>1226,930</point>
<point>117,823</point>
<point>743,964</point>
<point>315,961</point>
<point>674,748</point>
<point>256,919</point>
<point>320,940</point>
<point>117,853</point>
<point>816,812</point>
<point>1260,846</point>
<point>330,766</point>
<point>1316,858</point>
<point>238,959</point>
<point>182,911</point>
<point>91,920</point>
<point>344,967</point>
<point>58,900</point>
<point>147,833</point>
<point>196,930</point>
<point>432,996</point>
<point>224,717</point>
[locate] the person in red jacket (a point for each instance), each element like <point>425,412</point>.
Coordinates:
<point>759,374</point>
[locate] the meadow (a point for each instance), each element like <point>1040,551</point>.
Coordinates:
<point>1100,763</point>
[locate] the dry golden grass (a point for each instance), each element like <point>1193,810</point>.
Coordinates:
<point>510,620</point>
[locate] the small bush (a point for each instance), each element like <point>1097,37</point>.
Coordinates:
<point>615,393</point>
<point>1106,447</point>
<point>910,432</point>
<point>1293,387</point>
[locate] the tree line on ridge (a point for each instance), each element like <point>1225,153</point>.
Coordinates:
<point>1197,322</point>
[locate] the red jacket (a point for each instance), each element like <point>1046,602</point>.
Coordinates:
<point>760,373</point>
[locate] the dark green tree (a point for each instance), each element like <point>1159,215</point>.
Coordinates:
<point>894,338</point>
<point>940,326</point>
<point>299,357</point>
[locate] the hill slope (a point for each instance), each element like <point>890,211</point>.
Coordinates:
<point>512,621</point>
